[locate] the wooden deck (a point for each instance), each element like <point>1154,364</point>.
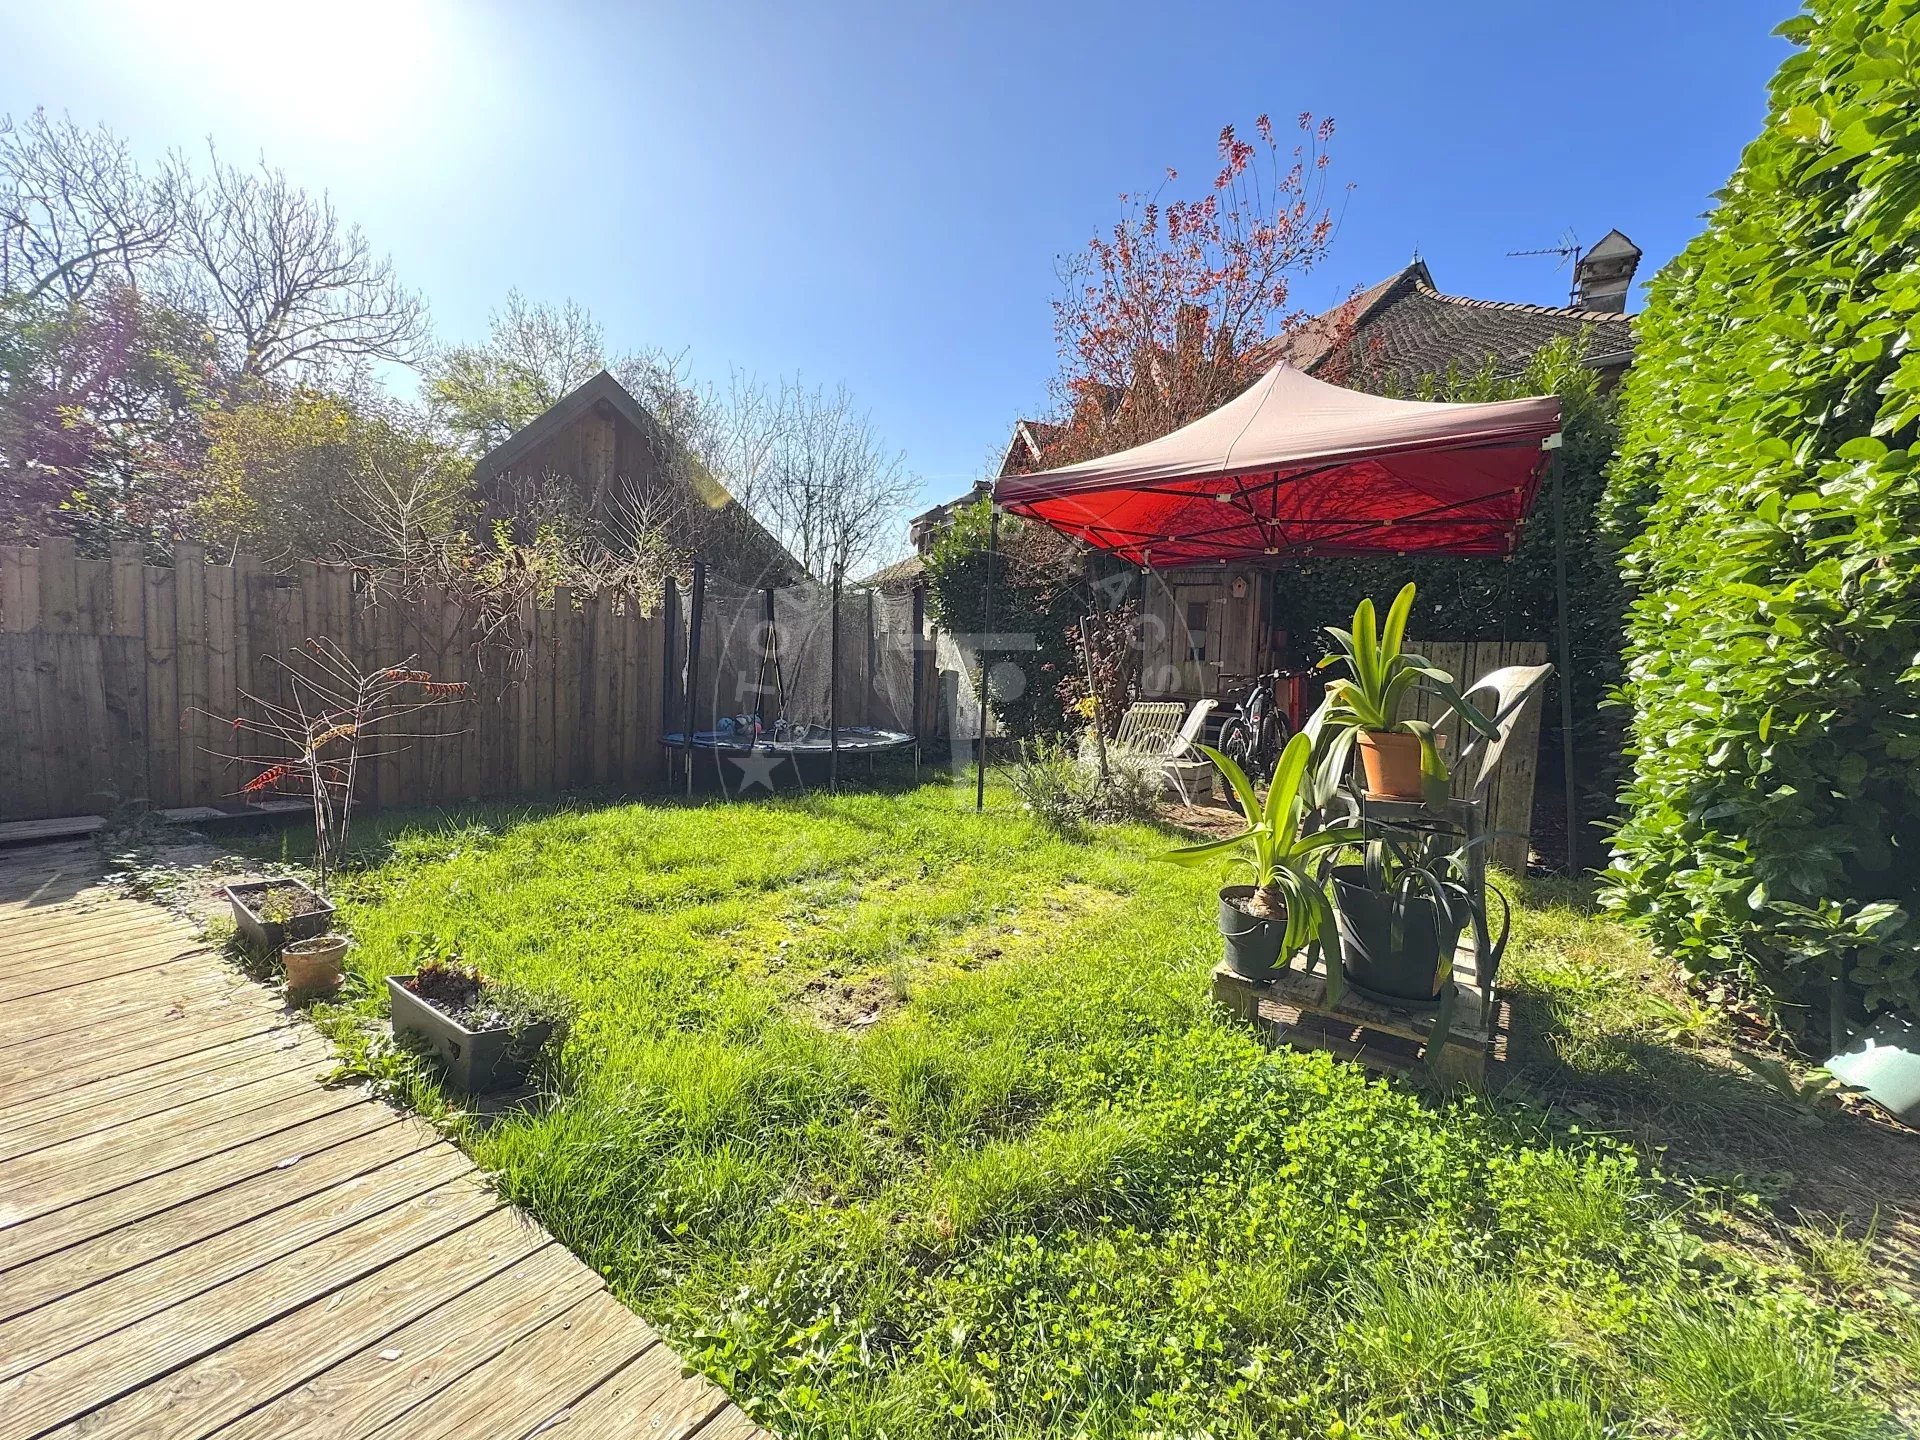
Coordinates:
<point>199,1238</point>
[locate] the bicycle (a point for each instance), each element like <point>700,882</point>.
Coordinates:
<point>1258,728</point>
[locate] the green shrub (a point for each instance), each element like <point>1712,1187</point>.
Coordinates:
<point>1773,811</point>
<point>1067,791</point>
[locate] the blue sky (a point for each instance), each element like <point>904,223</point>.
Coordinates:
<point>878,193</point>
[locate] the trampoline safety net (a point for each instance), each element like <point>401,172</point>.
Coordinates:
<point>762,667</point>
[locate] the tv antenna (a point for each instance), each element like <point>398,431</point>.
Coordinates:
<point>1569,252</point>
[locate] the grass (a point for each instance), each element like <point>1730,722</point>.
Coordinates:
<point>904,1121</point>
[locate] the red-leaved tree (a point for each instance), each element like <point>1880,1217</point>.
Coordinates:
<point>1180,306</point>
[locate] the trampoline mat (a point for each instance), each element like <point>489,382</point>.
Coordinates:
<point>810,740</point>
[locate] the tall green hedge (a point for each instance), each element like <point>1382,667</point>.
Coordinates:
<point>1772,817</point>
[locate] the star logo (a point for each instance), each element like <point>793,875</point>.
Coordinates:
<point>756,769</point>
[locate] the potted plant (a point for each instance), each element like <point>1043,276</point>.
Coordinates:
<point>1399,914</point>
<point>1399,756</point>
<point>268,913</point>
<point>487,1034</point>
<point>315,966</point>
<point>1285,908</point>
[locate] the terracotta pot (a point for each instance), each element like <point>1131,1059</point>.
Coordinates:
<point>1390,760</point>
<point>314,966</point>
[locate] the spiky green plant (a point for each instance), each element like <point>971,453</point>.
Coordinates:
<point>1286,855</point>
<point>1381,677</point>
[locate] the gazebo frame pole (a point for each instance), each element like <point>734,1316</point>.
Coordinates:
<point>980,755</point>
<point>1559,475</point>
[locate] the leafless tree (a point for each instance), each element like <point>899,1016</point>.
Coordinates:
<point>832,490</point>
<point>75,209</point>
<point>283,283</point>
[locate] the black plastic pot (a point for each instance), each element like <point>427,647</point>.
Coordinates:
<point>1391,944</point>
<point>1253,941</point>
<point>263,934</point>
<point>476,1060</point>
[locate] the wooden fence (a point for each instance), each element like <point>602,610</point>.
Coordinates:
<point>116,678</point>
<point>1510,797</point>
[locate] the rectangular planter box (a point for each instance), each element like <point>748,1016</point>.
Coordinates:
<point>477,1060</point>
<point>263,934</point>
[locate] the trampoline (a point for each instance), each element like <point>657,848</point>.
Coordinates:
<point>767,681</point>
<point>802,740</point>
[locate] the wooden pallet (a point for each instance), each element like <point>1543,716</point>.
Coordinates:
<point>1292,1009</point>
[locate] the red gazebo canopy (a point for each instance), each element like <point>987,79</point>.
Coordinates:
<point>1296,466</point>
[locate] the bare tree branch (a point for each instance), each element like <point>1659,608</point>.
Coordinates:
<point>284,285</point>
<point>74,208</point>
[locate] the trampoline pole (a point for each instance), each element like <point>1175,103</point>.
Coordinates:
<point>833,691</point>
<point>670,616</point>
<point>693,658</point>
<point>980,755</point>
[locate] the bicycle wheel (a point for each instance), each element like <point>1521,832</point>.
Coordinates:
<point>1238,745</point>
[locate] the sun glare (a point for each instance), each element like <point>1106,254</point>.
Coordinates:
<point>352,71</point>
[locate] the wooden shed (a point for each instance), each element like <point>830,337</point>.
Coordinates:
<point>599,453</point>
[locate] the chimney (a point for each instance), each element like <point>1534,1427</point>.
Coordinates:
<point>1603,276</point>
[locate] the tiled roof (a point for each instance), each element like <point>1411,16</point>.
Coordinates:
<point>899,573</point>
<point>1405,327</point>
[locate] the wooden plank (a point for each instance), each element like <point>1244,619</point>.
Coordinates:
<point>111,1210</point>
<point>383,767</point>
<point>732,1424</point>
<point>67,792</point>
<point>123,590</point>
<point>15,782</point>
<point>546,688</point>
<point>376,1385</point>
<point>25,1081</point>
<point>95,738</point>
<point>38,796</point>
<point>110,1166</point>
<point>566,693</point>
<point>123,660</point>
<point>602,684</point>
<point>139,1146</point>
<point>59,586</point>
<point>99,1004</point>
<point>116,1099</point>
<point>19,589</point>
<point>166,1083</point>
<point>228,663</point>
<point>650,1397</point>
<point>75,920</point>
<point>534,1380</point>
<point>50,1001</point>
<point>158,608</point>
<point>33,832</point>
<point>238,1245</point>
<point>283,1190</point>
<point>93,596</point>
<point>229,1382</point>
<point>525,697</point>
<point>67,1386</point>
<point>190,661</point>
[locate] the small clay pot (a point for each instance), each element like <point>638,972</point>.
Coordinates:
<point>1390,760</point>
<point>314,967</point>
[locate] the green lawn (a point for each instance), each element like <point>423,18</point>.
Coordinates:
<point>904,1121</point>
